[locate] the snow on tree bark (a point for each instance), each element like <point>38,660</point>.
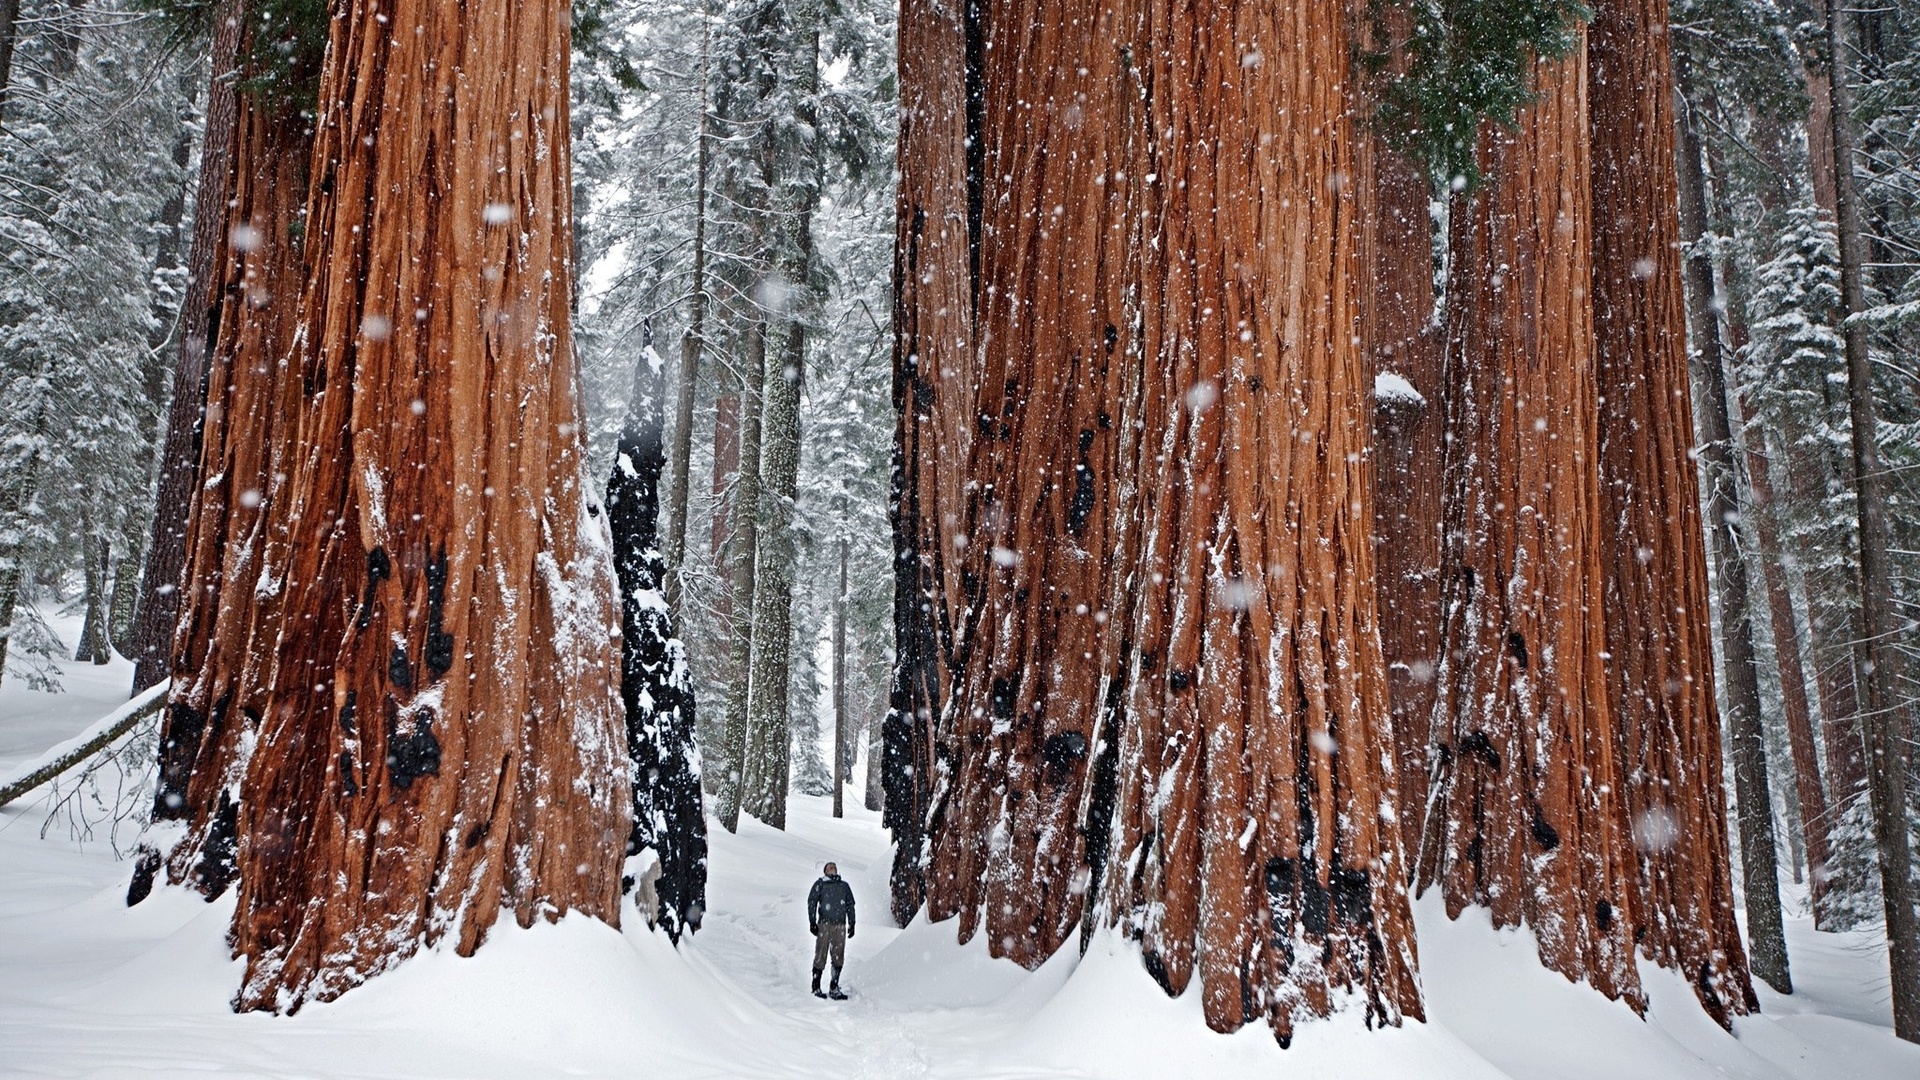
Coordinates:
<point>1879,660</point>
<point>1660,672</point>
<point>1526,816</point>
<point>1252,840</point>
<point>796,180</point>
<point>443,733</point>
<point>1016,736</point>
<point>656,688</point>
<point>842,751</point>
<point>742,547</point>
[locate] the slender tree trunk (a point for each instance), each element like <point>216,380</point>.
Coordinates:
<point>769,725</point>
<point>875,796</point>
<point>1660,684</point>
<point>840,733</point>
<point>155,614</point>
<point>9,36</point>
<point>1883,709</point>
<point>1815,817</point>
<point>656,689</point>
<point>17,492</point>
<point>97,557</point>
<point>1830,616</point>
<point>691,346</point>
<point>726,471</point>
<point>769,738</point>
<point>120,602</point>
<point>1766,936</point>
<point>1526,814</point>
<point>1831,619</point>
<point>443,732</point>
<point>168,308</point>
<point>743,547</point>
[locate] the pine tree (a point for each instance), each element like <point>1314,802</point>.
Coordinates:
<point>1882,727</point>
<point>1727,494</point>
<point>85,168</point>
<point>656,688</point>
<point>790,120</point>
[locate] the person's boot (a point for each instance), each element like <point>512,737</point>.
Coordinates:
<point>833,990</point>
<point>816,986</point>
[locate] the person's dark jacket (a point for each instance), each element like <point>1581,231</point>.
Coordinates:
<point>830,901</point>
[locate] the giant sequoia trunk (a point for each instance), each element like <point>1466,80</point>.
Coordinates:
<point>934,386</point>
<point>228,614</point>
<point>656,688</point>
<point>1152,585</point>
<point>441,734</point>
<point>1253,768</point>
<point>1660,675</point>
<point>1526,815</point>
<point>1017,734</point>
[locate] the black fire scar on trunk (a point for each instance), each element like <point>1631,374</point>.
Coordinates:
<point>439,642</point>
<point>414,751</point>
<point>379,569</point>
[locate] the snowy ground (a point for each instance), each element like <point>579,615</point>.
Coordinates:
<point>90,988</point>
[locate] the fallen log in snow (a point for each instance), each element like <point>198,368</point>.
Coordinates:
<point>65,756</point>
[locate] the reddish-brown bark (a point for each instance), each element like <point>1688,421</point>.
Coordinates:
<point>1660,684</point>
<point>1252,836</point>
<point>1172,648</point>
<point>1399,338</point>
<point>1830,600</point>
<point>253,401</point>
<point>933,394</point>
<point>442,735</point>
<point>1527,817</point>
<point>1016,734</point>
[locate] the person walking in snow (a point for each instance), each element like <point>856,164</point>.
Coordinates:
<point>830,916</point>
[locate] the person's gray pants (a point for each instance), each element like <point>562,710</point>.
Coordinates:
<point>830,942</point>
